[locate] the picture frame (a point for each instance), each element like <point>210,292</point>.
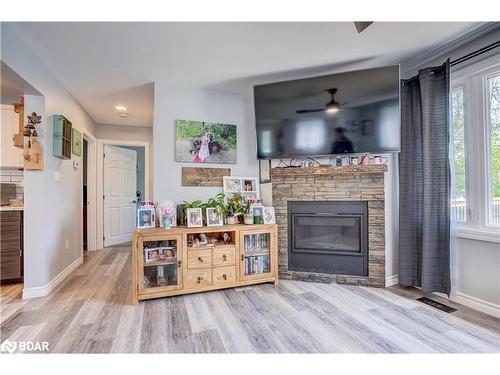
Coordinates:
<point>213,218</point>
<point>151,254</point>
<point>247,186</point>
<point>167,253</point>
<point>194,217</point>
<point>146,217</point>
<point>257,208</point>
<point>269,215</point>
<point>205,142</point>
<point>76,142</point>
<point>265,171</point>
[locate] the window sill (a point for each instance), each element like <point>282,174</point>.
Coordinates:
<point>476,234</point>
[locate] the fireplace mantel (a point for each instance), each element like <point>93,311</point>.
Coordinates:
<point>310,171</point>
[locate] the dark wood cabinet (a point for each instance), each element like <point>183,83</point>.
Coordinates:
<point>11,247</point>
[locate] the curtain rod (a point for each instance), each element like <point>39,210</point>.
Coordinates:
<point>475,53</point>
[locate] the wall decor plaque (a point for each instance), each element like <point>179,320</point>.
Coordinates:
<point>204,177</point>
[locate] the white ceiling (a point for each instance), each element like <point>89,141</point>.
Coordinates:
<point>105,64</point>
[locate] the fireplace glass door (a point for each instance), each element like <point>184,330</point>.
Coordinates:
<point>327,234</point>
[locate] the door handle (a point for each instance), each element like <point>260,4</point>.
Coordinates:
<point>134,201</point>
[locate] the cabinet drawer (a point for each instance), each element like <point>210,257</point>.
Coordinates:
<point>200,258</point>
<point>224,275</point>
<point>224,257</point>
<point>199,278</point>
<point>10,264</point>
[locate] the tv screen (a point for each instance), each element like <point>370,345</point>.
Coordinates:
<point>351,112</point>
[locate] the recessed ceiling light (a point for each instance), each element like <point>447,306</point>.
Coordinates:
<point>124,115</point>
<point>121,108</point>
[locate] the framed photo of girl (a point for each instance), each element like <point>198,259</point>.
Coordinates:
<point>269,215</point>
<point>146,217</point>
<point>194,217</point>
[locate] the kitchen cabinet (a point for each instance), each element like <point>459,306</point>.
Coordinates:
<point>11,246</point>
<point>10,155</point>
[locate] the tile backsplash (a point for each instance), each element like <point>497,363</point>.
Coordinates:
<point>15,176</point>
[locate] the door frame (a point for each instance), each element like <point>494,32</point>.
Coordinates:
<point>91,192</point>
<point>100,179</point>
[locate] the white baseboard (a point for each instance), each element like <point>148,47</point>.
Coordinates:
<point>391,280</point>
<point>41,291</point>
<point>477,303</point>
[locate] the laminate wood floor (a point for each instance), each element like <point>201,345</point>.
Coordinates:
<point>91,312</point>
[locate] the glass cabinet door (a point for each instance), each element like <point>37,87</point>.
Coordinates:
<point>256,255</point>
<point>161,264</point>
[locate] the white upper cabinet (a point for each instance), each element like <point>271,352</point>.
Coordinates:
<point>10,156</point>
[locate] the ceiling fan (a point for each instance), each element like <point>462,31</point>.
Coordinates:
<point>331,107</point>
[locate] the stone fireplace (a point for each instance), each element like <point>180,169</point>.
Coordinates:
<point>342,242</point>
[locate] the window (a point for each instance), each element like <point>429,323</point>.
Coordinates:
<point>493,148</point>
<point>457,156</point>
<point>475,150</point>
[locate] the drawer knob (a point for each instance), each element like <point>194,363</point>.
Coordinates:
<point>224,276</point>
<point>179,263</point>
<point>199,279</point>
<point>200,259</point>
<point>224,257</point>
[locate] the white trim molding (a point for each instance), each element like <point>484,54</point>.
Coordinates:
<point>41,291</point>
<point>391,280</point>
<point>476,303</point>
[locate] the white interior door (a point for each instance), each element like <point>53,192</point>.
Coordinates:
<point>120,180</point>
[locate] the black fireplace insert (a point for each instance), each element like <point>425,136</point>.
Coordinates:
<point>328,237</point>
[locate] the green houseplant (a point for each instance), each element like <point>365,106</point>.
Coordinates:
<point>235,206</point>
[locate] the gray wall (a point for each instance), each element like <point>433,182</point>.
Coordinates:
<point>180,103</point>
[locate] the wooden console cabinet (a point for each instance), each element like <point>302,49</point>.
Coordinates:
<point>168,262</point>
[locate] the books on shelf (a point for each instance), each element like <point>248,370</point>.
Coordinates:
<point>255,265</point>
<point>257,243</point>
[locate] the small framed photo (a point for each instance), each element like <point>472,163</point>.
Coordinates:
<point>151,254</point>
<point>249,185</point>
<point>213,218</point>
<point>167,253</point>
<point>146,217</point>
<point>269,216</point>
<point>194,217</point>
<point>257,210</point>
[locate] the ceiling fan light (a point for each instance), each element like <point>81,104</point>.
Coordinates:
<point>332,110</point>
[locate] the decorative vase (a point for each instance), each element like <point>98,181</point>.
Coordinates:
<point>231,220</point>
<point>165,207</point>
<point>248,219</point>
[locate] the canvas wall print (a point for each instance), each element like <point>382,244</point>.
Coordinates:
<point>76,142</point>
<point>205,142</point>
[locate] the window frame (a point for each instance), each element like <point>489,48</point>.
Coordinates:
<point>477,149</point>
<point>488,197</point>
<point>461,85</point>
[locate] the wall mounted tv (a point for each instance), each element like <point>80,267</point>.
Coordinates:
<point>351,112</point>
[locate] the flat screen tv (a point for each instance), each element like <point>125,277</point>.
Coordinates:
<point>351,112</point>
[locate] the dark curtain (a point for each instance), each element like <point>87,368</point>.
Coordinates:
<point>424,181</point>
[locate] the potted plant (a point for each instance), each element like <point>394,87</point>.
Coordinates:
<point>218,203</point>
<point>235,207</point>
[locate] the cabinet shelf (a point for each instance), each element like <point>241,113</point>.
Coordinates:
<point>159,263</point>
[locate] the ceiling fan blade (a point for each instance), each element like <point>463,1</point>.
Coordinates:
<point>310,110</point>
<point>360,26</point>
<point>343,104</point>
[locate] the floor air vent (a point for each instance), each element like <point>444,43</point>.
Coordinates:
<point>437,305</point>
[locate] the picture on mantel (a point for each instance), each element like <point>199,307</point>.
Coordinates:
<point>205,142</point>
